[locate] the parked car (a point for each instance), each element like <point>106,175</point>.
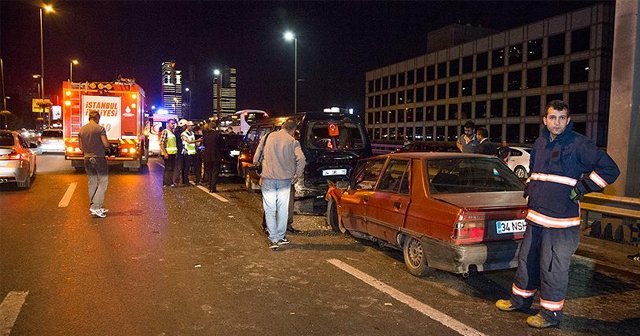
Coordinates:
<point>17,161</point>
<point>518,161</point>
<point>230,154</point>
<point>52,141</point>
<point>449,211</point>
<point>332,143</point>
<point>30,136</point>
<point>430,146</point>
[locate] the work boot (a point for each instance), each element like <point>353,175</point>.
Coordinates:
<point>537,321</point>
<point>505,305</point>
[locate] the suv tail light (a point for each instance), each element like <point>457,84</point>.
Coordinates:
<point>469,228</point>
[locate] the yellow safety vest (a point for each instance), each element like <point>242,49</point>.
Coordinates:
<point>190,147</point>
<point>171,146</point>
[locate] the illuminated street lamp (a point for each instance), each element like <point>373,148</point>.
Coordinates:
<point>71,64</point>
<point>48,9</point>
<point>189,114</point>
<point>289,36</point>
<point>218,77</point>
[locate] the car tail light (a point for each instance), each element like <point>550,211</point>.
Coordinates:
<point>469,228</point>
<point>11,156</point>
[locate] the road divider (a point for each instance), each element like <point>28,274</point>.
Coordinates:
<point>426,310</point>
<point>216,195</point>
<point>64,202</point>
<point>9,310</point>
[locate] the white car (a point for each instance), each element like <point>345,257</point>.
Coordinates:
<point>518,161</point>
<point>52,141</point>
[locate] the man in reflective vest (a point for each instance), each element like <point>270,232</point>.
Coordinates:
<point>564,166</point>
<point>188,151</point>
<point>169,150</point>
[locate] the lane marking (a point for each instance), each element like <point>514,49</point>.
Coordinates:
<point>216,195</point>
<point>606,264</point>
<point>9,310</point>
<point>427,310</point>
<point>67,195</point>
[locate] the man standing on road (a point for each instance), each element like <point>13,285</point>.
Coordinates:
<point>467,143</point>
<point>485,146</point>
<point>188,152</point>
<point>282,164</point>
<point>169,150</point>
<point>565,165</point>
<point>211,155</point>
<point>93,142</point>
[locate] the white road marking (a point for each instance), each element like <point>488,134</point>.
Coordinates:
<point>160,164</point>
<point>9,310</point>
<point>430,312</point>
<point>67,195</point>
<point>218,196</point>
<point>606,264</point>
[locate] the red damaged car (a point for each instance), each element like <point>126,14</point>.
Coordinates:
<point>448,211</point>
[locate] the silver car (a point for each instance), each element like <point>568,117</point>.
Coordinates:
<point>52,141</point>
<point>17,161</point>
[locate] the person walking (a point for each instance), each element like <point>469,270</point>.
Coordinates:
<point>188,151</point>
<point>212,141</point>
<point>565,165</point>
<point>467,142</point>
<point>283,163</point>
<point>93,142</point>
<point>485,146</point>
<point>169,151</point>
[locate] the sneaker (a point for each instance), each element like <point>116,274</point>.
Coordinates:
<point>634,257</point>
<point>283,241</point>
<point>97,213</point>
<point>273,245</point>
<point>105,210</point>
<point>537,321</point>
<point>505,305</point>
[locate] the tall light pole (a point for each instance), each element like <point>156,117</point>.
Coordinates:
<point>71,64</point>
<point>48,9</point>
<point>189,114</point>
<point>289,36</point>
<point>218,75</point>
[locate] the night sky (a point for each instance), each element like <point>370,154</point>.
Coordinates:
<point>337,43</point>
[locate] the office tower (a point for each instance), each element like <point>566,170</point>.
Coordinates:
<point>225,95</point>
<point>172,88</point>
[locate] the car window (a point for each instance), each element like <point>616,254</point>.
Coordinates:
<point>6,139</point>
<point>394,176</point>
<point>251,135</point>
<point>334,134</point>
<point>367,174</point>
<point>515,152</point>
<point>52,134</point>
<point>528,150</point>
<point>464,175</point>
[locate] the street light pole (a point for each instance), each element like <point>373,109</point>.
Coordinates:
<point>189,114</point>
<point>218,75</point>
<point>71,64</point>
<point>48,9</point>
<point>290,36</point>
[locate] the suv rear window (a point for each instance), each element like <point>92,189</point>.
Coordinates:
<point>344,135</point>
<point>52,134</point>
<point>465,175</point>
<point>6,139</point>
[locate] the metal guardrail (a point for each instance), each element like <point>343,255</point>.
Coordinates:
<point>625,209</point>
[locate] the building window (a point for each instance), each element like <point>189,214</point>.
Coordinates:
<point>378,82</point>
<point>497,58</point>
<point>393,81</point>
<point>555,96</point>
<point>555,74</point>
<point>578,102</point>
<point>428,133</point>
<point>409,96</point>
<point>534,50</point>
<point>442,91</point>
<point>439,133</point>
<point>534,78</point>
<point>495,131</point>
<point>400,97</point>
<point>465,111</point>
<point>431,93</point>
<point>370,86</point>
<point>532,106</point>
<point>385,117</point>
<point>385,100</point>
<point>419,133</point>
<point>481,85</point>
<point>467,64</point>
<point>431,72</point>
<point>419,114</point>
<point>377,101</point>
<point>453,112</point>
<point>392,98</point>
<point>454,67</point>
<point>392,133</point>
<point>441,112</point>
<point>442,70</point>
<point>376,134</point>
<point>408,133</point>
<point>513,107</point>
<point>411,77</point>
<point>420,94</point>
<point>385,82</point>
<point>369,119</point>
<point>377,117</point>
<point>579,71</point>
<point>409,115</point>
<point>497,83</point>
<point>400,135</point>
<point>513,133</point>
<point>531,132</point>
<point>496,108</point>
<point>452,133</point>
<point>580,127</point>
<point>400,116</point>
<point>392,116</point>
<point>428,113</point>
<point>370,102</point>
<point>515,54</point>
<point>453,89</point>
<point>467,87</point>
<point>401,79</point>
<point>482,60</point>
<point>580,39</point>
<point>556,45</point>
<point>419,75</point>
<point>481,109</point>
<point>514,81</point>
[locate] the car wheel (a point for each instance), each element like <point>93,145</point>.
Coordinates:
<point>520,172</point>
<point>332,217</point>
<point>414,257</point>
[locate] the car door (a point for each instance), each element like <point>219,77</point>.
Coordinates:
<point>387,206</point>
<point>353,202</point>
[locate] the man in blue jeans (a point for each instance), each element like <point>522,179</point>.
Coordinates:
<point>282,163</point>
<point>93,143</point>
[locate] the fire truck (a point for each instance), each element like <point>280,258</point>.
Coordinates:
<point>122,108</point>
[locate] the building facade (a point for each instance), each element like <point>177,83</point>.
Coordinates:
<point>172,88</point>
<point>224,92</point>
<point>501,81</point>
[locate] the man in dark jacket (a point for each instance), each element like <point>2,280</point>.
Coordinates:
<point>177,172</point>
<point>211,155</point>
<point>485,146</point>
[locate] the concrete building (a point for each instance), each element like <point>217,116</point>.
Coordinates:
<point>501,81</point>
<point>172,88</point>
<point>225,95</point>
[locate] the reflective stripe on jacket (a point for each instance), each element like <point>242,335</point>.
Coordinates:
<point>190,147</point>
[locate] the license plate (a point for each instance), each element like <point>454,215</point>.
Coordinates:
<point>234,153</point>
<point>511,226</point>
<point>331,172</point>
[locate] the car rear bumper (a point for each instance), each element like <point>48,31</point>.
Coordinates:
<point>459,258</point>
<point>12,171</point>
<point>51,148</point>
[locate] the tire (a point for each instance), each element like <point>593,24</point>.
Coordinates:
<point>332,217</point>
<point>520,172</point>
<point>414,257</point>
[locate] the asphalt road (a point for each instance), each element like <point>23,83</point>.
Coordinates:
<point>184,262</point>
